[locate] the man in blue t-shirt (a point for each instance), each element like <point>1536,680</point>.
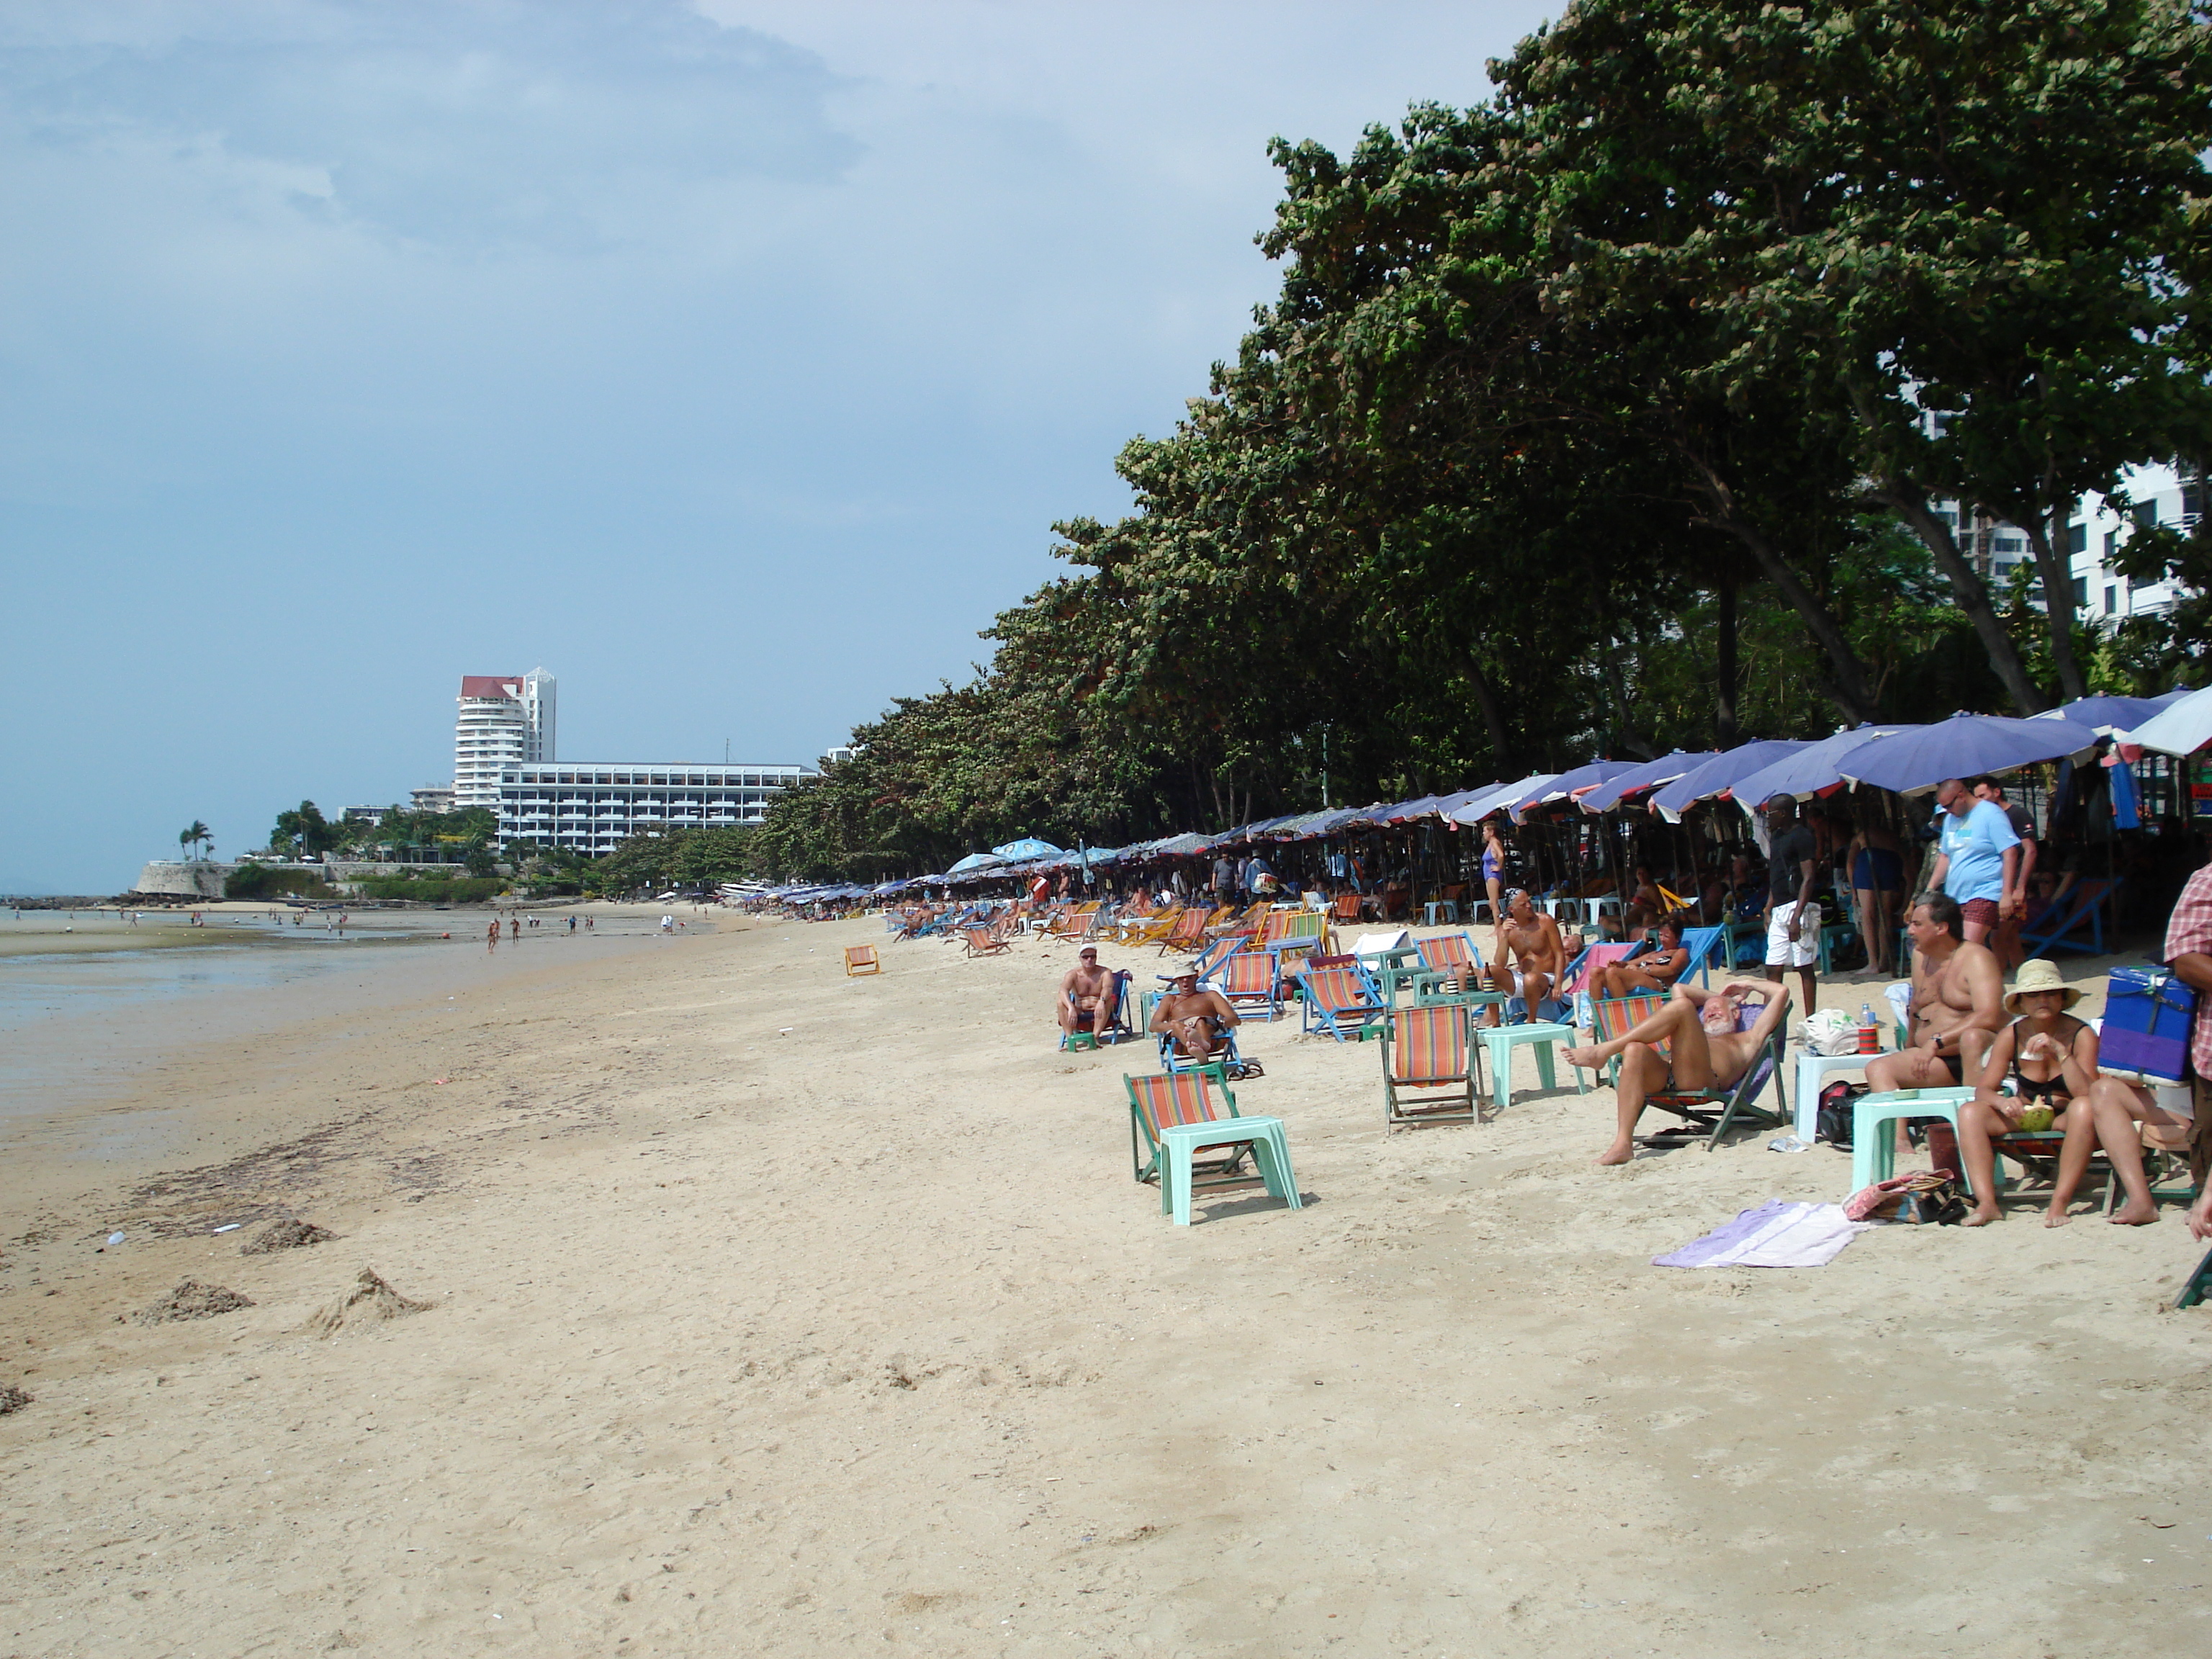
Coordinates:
<point>1979,864</point>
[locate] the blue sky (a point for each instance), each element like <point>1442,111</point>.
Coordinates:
<point>731,361</point>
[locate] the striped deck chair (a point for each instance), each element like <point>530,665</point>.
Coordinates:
<point>1430,1069</point>
<point>981,942</point>
<point>1207,964</point>
<point>1345,1002</point>
<point>2083,905</point>
<point>1071,922</point>
<point>1453,953</point>
<point>1704,1113</point>
<point>1245,923</point>
<point>1202,1095</point>
<point>1707,945</point>
<point>1188,932</point>
<point>1250,981</point>
<point>1345,907</point>
<point>861,959</point>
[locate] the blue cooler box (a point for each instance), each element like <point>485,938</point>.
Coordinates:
<point>2148,1013</point>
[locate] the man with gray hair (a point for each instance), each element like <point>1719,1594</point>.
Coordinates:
<point>1539,956</point>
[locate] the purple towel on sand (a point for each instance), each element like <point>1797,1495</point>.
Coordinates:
<point>1775,1235</point>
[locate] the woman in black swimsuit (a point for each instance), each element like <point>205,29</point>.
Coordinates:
<point>1877,886</point>
<point>2051,1060</point>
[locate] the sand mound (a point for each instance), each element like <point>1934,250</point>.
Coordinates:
<point>370,1300</point>
<point>193,1300</point>
<point>12,1398</point>
<point>290,1234</point>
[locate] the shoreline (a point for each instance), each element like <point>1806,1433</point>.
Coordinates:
<point>775,1311</point>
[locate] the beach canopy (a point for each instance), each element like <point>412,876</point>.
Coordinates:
<point>1499,799</point>
<point>1913,762</point>
<point>1568,785</point>
<point>1028,847</point>
<point>975,861</point>
<point>1710,777</point>
<point>2105,715</point>
<point>2183,727</point>
<point>1811,771</point>
<point>1647,775</point>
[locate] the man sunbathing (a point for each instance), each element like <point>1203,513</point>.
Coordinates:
<point>1538,956</point>
<point>1655,970</point>
<point>1710,1054</point>
<point>1198,1020</point>
<point>1088,993</point>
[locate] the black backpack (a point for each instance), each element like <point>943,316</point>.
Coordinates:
<point>1833,1120</point>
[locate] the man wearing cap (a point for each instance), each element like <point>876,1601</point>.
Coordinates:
<point>1088,993</point>
<point>1197,1019</point>
<point>1793,920</point>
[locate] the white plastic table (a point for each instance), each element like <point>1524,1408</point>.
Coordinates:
<point>1813,1072</point>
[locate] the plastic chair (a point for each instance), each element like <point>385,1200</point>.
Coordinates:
<point>1708,1113</point>
<point>1436,912</point>
<point>1175,1119</point>
<point>1873,1155</point>
<point>1345,1002</point>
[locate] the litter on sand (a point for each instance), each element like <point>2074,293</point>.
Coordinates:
<point>230,1226</point>
<point>1775,1235</point>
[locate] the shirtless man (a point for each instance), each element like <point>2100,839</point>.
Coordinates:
<point>1539,956</point>
<point>1655,970</point>
<point>1198,1020</point>
<point>1087,995</point>
<point>1708,1053</point>
<point>1958,1005</point>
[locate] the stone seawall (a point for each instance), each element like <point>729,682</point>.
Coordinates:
<point>199,878</point>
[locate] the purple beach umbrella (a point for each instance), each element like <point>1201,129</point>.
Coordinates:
<point>1646,776</point>
<point>1964,747</point>
<point>1811,771</point>
<point>1721,772</point>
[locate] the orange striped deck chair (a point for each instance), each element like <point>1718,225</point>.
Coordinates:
<point>1345,907</point>
<point>981,942</point>
<point>1188,932</point>
<point>1150,929</point>
<point>1249,980</point>
<point>1453,954</point>
<point>1430,1069</point>
<point>860,960</point>
<point>1345,1002</point>
<point>1073,923</point>
<point>1200,1095</point>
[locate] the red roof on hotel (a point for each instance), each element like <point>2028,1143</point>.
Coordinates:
<point>491,685</point>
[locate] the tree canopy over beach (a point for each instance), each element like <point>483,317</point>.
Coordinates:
<point>1595,419</point>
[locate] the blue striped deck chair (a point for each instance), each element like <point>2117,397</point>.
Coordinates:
<point>1345,1002</point>
<point>1707,945</point>
<point>1704,1113</point>
<point>2060,928</point>
<point>1252,982</point>
<point>1202,1095</point>
<point>1228,1057</point>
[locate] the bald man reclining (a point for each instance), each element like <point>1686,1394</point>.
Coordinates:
<point>1710,1056</point>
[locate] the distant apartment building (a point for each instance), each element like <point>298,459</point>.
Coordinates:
<point>504,720</point>
<point>592,807</point>
<point>2159,496</point>
<point>432,798</point>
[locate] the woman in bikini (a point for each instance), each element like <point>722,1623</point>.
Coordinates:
<point>2051,1060</point>
<point>1493,870</point>
<point>1877,884</point>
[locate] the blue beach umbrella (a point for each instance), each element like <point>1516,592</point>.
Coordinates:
<point>1712,776</point>
<point>1665,770</point>
<point>1913,762</point>
<point>1502,797</point>
<point>1811,771</point>
<point>2104,714</point>
<point>1567,784</point>
<point>1028,847</point>
<point>974,861</point>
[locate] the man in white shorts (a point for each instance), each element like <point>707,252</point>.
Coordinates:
<point>1793,920</point>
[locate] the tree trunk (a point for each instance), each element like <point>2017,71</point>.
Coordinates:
<point>1724,670</point>
<point>1485,699</point>
<point>2057,570</point>
<point>1850,687</point>
<point>1903,497</point>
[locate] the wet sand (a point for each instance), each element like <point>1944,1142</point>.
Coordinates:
<point>776,1312</point>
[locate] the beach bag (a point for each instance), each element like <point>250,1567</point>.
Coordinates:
<point>1836,1112</point>
<point>2148,1015</point>
<point>1830,1031</point>
<point>1918,1200</point>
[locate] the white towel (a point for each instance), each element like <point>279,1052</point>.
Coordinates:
<point>1775,1235</point>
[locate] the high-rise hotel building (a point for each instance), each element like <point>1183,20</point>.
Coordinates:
<point>592,807</point>
<point>505,720</point>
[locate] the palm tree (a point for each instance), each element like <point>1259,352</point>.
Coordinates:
<point>192,837</point>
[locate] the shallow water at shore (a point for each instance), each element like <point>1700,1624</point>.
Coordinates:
<point>79,1024</point>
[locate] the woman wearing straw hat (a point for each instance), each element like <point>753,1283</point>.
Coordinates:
<point>2051,1060</point>
<point>2109,1117</point>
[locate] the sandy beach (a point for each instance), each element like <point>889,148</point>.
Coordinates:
<point>771,1311</point>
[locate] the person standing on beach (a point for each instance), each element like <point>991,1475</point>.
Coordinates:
<point>2013,915</point>
<point>572,924</point>
<point>491,938</point>
<point>1793,920</point>
<point>514,927</point>
<point>1979,863</point>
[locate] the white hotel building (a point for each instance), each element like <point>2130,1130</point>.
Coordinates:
<point>504,720</point>
<point>592,807</point>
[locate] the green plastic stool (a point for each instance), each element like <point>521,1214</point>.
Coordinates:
<point>1271,1151</point>
<point>1873,1144</point>
<point>1075,1043</point>
<point>1501,1040</point>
